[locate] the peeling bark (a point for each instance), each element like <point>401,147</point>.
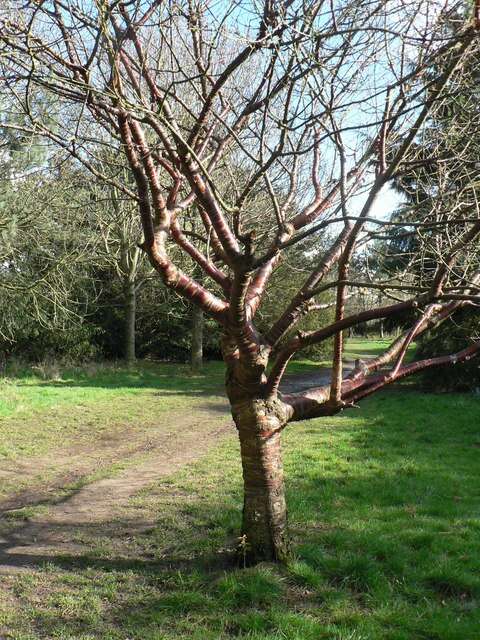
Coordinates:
<point>264,525</point>
<point>259,421</point>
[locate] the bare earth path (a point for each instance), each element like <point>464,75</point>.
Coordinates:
<point>56,530</point>
<point>100,504</point>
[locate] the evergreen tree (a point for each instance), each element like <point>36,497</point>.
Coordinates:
<point>445,163</point>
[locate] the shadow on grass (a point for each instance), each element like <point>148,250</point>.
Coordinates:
<point>166,377</point>
<point>176,376</point>
<point>22,549</point>
<point>384,509</point>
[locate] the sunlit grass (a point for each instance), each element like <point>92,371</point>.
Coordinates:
<point>28,393</point>
<point>371,347</point>
<point>384,507</point>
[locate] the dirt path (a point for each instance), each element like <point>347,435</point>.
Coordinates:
<point>34,480</point>
<point>56,531</point>
<point>97,506</point>
<point>303,381</point>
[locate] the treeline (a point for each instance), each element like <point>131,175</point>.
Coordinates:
<point>74,281</point>
<point>76,285</point>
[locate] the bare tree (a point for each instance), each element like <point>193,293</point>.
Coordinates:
<point>318,106</point>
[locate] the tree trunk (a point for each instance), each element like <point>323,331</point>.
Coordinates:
<point>264,527</point>
<point>130,313</point>
<point>197,339</point>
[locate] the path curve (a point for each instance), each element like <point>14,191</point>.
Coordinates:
<point>97,504</point>
<point>189,437</point>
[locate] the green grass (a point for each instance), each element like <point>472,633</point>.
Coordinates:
<point>36,414</point>
<point>27,394</point>
<point>84,403</point>
<point>384,508</point>
<point>367,347</point>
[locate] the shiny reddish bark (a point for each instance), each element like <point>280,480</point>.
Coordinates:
<point>173,161</point>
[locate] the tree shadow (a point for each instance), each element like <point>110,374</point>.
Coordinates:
<point>393,513</point>
<point>22,549</point>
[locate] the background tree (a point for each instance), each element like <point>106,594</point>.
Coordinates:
<point>310,101</point>
<point>43,253</point>
<point>116,221</point>
<point>445,165</point>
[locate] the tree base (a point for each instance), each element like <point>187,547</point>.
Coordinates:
<point>249,555</point>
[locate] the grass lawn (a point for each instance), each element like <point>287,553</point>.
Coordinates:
<point>28,393</point>
<point>384,506</point>
<point>85,402</point>
<point>367,347</point>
